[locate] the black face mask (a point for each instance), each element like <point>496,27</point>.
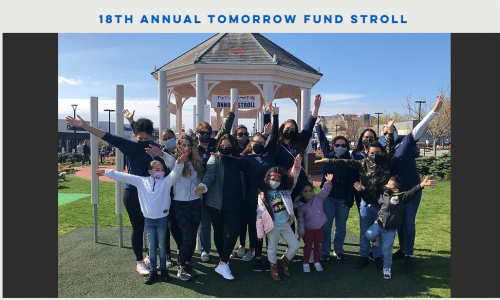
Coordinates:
<point>388,191</point>
<point>376,158</point>
<point>226,151</point>
<point>258,148</point>
<point>366,143</point>
<point>144,144</point>
<point>289,135</point>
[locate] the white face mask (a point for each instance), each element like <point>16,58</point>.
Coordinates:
<point>339,150</point>
<point>274,184</point>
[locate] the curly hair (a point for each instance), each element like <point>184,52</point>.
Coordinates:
<point>286,184</point>
<point>340,137</point>
<point>194,158</point>
<point>300,197</point>
<point>248,148</point>
<point>297,142</point>
<point>143,125</point>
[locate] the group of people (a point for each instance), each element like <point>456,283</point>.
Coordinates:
<point>238,184</point>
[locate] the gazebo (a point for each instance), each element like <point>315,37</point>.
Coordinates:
<point>234,64</point>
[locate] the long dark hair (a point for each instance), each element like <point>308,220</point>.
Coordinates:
<point>359,145</point>
<point>286,184</point>
<point>248,148</point>
<point>231,139</point>
<point>297,142</point>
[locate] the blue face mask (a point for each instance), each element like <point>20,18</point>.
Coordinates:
<point>170,143</point>
<point>204,138</point>
<point>382,139</point>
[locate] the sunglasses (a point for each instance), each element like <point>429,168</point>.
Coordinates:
<point>240,134</point>
<point>227,147</point>
<point>257,142</point>
<point>340,145</point>
<point>203,133</point>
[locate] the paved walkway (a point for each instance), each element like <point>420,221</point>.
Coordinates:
<point>85,172</point>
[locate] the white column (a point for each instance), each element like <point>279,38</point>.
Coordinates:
<point>178,114</point>
<point>119,160</point>
<point>94,161</point>
<point>162,100</point>
<point>234,96</point>
<point>195,114</point>
<point>200,97</point>
<point>305,107</point>
<point>299,103</point>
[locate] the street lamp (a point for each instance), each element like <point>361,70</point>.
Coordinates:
<point>253,128</point>
<point>419,105</point>
<point>378,122</point>
<point>74,106</point>
<point>336,126</point>
<point>109,124</point>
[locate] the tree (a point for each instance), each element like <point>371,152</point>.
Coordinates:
<point>325,129</point>
<point>353,126</point>
<point>440,126</point>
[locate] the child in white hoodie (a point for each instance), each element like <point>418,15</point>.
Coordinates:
<point>154,198</point>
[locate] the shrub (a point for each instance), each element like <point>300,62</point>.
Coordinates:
<point>435,167</point>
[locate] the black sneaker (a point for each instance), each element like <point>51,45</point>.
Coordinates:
<point>188,268</point>
<point>151,278</point>
<point>362,262</point>
<point>164,275</point>
<point>266,265</point>
<point>398,255</point>
<point>379,264</point>
<point>341,256</point>
<point>324,258</point>
<point>257,266</point>
<point>408,263</point>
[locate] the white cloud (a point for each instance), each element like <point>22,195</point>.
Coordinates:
<point>61,79</point>
<point>340,97</point>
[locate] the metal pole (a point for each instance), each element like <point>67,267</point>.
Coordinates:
<point>378,122</point>
<point>74,106</point>
<point>94,162</point>
<point>419,107</point>
<point>119,91</point>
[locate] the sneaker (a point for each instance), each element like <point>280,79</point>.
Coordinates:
<point>205,257</point>
<point>398,255</point>
<point>224,271</point>
<point>241,252</point>
<point>341,256</point>
<point>183,275</point>
<point>306,268</point>
<point>379,264</point>
<point>324,258</point>
<point>362,262</point>
<point>142,269</point>
<point>170,264</point>
<point>151,278</point>
<point>258,266</point>
<point>164,275</point>
<point>408,263</point>
<point>311,257</point>
<point>233,254</point>
<point>189,269</point>
<point>318,267</point>
<point>387,273</point>
<point>248,256</point>
<point>147,262</point>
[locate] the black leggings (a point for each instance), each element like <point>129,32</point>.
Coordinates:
<point>260,245</point>
<point>173,228</point>
<point>248,217</point>
<point>133,207</point>
<point>229,219</point>
<point>188,217</point>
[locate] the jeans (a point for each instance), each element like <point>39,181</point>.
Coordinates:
<point>368,214</point>
<point>406,233</point>
<point>386,241</point>
<point>156,229</point>
<point>334,209</point>
<point>285,231</point>
<point>85,157</point>
<point>204,231</point>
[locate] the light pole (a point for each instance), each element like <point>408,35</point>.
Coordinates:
<point>109,124</point>
<point>74,106</point>
<point>378,122</point>
<point>336,126</point>
<point>253,128</point>
<point>419,106</point>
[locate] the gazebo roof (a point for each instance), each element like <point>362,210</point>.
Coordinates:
<point>238,48</point>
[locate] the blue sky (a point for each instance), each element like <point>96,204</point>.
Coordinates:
<point>362,73</point>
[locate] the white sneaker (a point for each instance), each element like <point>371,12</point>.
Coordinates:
<point>241,252</point>
<point>311,258</point>
<point>142,269</point>
<point>147,262</point>
<point>205,257</point>
<point>224,271</point>
<point>248,256</point>
<point>387,273</point>
<point>318,266</point>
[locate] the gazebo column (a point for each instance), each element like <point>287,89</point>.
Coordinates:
<point>162,100</point>
<point>200,97</point>
<point>299,117</point>
<point>178,115</point>
<point>305,107</point>
<point>218,111</point>
<point>267,90</point>
<point>234,96</point>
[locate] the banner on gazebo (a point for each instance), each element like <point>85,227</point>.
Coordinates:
<point>244,101</point>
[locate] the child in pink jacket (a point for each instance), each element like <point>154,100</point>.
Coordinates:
<point>275,215</point>
<point>311,218</point>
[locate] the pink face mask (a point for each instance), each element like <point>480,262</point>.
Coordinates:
<point>158,174</point>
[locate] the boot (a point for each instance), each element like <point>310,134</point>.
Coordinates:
<point>274,272</point>
<point>284,265</point>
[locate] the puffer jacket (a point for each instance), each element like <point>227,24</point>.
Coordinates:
<point>310,215</point>
<point>264,220</point>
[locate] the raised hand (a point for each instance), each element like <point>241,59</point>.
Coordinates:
<point>273,111</point>
<point>235,106</point>
<point>318,121</point>
<point>75,122</point>
<point>358,186</point>
<point>329,177</point>
<point>298,161</point>
<point>439,103</point>
<point>390,127</point>
<point>428,182</point>
<point>181,159</point>
<point>324,160</point>
<point>100,172</point>
<point>317,100</point>
<point>268,128</point>
<point>267,107</point>
<point>198,191</point>
<point>128,115</point>
<point>153,150</point>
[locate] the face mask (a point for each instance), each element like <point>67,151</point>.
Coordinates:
<point>243,140</point>
<point>366,143</point>
<point>308,195</point>
<point>158,174</point>
<point>384,138</point>
<point>258,148</point>
<point>376,158</point>
<point>339,150</point>
<point>144,144</point>
<point>204,138</point>
<point>170,143</point>
<point>274,184</point>
<point>388,191</point>
<point>289,135</point>
<point>226,151</point>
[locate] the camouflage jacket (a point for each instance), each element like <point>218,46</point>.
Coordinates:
<point>373,177</point>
